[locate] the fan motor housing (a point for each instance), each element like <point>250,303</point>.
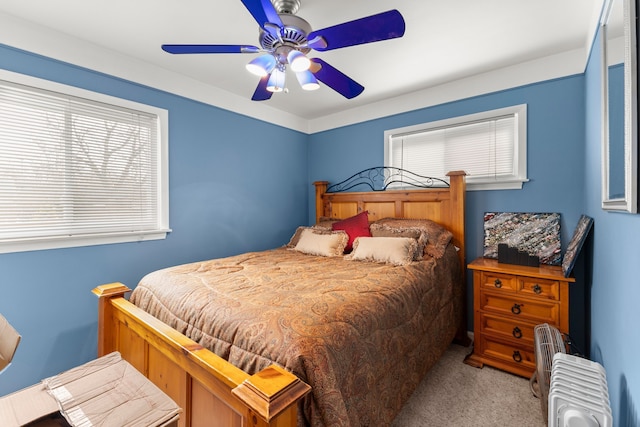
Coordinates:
<point>294,34</point>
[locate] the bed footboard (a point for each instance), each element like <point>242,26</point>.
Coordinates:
<point>210,390</point>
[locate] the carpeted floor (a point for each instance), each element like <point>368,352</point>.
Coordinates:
<point>456,394</point>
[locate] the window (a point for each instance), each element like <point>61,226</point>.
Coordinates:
<point>490,146</point>
<point>78,168</point>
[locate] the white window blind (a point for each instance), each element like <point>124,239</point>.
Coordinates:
<point>490,147</point>
<point>76,171</point>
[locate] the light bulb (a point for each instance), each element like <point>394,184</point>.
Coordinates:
<point>298,61</point>
<point>276,81</point>
<point>262,65</point>
<point>307,80</point>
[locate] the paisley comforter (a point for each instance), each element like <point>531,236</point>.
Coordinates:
<point>361,334</point>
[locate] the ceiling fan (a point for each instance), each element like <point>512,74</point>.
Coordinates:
<point>286,39</point>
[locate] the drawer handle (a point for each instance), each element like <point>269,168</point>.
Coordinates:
<point>517,357</point>
<point>516,309</point>
<point>498,283</point>
<point>517,333</point>
<point>537,289</point>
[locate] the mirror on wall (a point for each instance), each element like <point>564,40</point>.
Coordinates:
<point>619,110</point>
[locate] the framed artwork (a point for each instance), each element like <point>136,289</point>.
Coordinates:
<point>575,245</point>
<point>537,234</point>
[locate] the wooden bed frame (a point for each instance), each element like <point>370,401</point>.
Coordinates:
<point>210,390</point>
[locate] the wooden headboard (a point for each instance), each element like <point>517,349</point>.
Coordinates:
<point>442,205</point>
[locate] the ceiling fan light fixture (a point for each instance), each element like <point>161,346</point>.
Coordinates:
<point>276,81</point>
<point>286,39</point>
<point>262,65</point>
<point>298,61</point>
<point>307,80</point>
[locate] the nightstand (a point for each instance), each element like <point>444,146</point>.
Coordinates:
<point>509,301</point>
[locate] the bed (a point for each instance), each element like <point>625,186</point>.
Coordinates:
<point>280,352</point>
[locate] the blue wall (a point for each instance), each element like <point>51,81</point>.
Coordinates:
<point>236,184</point>
<point>615,288</point>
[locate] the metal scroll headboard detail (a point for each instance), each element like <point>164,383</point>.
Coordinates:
<point>382,177</point>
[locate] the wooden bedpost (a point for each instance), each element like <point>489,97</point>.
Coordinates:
<point>321,188</point>
<point>458,197</point>
<point>457,186</point>
<point>106,339</point>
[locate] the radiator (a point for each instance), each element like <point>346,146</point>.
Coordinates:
<point>578,395</point>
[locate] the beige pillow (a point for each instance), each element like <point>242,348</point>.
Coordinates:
<point>390,250</point>
<point>419,236</point>
<point>296,236</point>
<point>435,237</point>
<point>316,242</point>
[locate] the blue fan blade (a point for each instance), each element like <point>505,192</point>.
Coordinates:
<point>209,48</point>
<point>336,80</point>
<point>383,26</point>
<point>261,93</point>
<point>263,12</point>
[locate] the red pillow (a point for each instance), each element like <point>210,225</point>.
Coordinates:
<point>355,226</point>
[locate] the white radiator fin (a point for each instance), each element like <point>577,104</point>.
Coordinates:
<point>578,395</point>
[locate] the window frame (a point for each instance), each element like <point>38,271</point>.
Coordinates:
<point>22,244</point>
<point>514,181</point>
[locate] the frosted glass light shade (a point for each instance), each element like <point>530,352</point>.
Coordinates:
<point>262,65</point>
<point>276,81</point>
<point>307,80</point>
<point>298,61</point>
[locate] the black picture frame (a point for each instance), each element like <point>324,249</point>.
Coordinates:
<point>575,245</point>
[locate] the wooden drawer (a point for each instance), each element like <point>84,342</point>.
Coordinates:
<point>520,308</point>
<point>512,329</point>
<point>518,358</point>
<point>509,301</point>
<point>499,282</point>
<point>540,288</point>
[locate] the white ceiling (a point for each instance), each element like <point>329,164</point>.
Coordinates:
<point>446,42</point>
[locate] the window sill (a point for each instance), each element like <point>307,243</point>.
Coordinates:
<point>502,185</point>
<point>36,244</point>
